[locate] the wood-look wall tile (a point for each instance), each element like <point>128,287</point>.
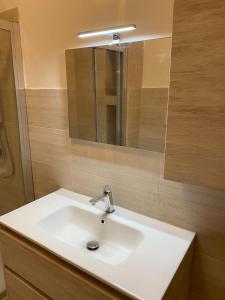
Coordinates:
<point>122,175</point>
<point>41,106</point>
<point>196,112</point>
<point>48,178</point>
<point>208,279</point>
<point>134,158</point>
<point>50,146</point>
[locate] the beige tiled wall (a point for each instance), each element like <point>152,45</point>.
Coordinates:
<point>195,140</point>
<point>136,180</point>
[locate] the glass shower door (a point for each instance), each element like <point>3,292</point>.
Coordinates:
<point>13,190</point>
<point>6,81</point>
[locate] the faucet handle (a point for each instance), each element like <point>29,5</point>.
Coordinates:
<point>107,189</point>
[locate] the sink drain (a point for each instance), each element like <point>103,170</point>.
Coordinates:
<point>93,245</point>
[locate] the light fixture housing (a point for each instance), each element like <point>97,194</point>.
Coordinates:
<point>116,39</point>
<point>107,31</point>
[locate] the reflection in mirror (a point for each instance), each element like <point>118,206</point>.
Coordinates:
<point>118,94</point>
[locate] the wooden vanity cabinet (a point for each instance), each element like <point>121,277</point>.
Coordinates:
<point>18,288</point>
<point>33,273</point>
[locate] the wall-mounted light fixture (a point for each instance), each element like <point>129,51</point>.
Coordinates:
<point>114,32</point>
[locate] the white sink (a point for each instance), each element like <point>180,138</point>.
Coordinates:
<point>76,227</point>
<point>137,255</point>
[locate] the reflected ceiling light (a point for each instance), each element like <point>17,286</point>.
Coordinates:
<point>114,31</point>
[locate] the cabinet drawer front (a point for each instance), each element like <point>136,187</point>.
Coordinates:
<point>49,274</point>
<point>17,289</point>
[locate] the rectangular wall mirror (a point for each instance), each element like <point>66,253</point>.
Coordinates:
<point>118,94</point>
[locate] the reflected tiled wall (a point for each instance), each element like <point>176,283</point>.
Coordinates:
<point>153,110</point>
<point>136,180</point>
<point>133,93</point>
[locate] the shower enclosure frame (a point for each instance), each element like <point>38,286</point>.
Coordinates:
<point>14,30</point>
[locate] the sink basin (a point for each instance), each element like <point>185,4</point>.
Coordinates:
<point>130,244</point>
<point>76,227</point>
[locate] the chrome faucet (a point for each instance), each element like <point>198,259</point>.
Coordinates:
<point>107,198</point>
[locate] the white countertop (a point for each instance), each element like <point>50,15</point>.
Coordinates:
<point>145,274</point>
